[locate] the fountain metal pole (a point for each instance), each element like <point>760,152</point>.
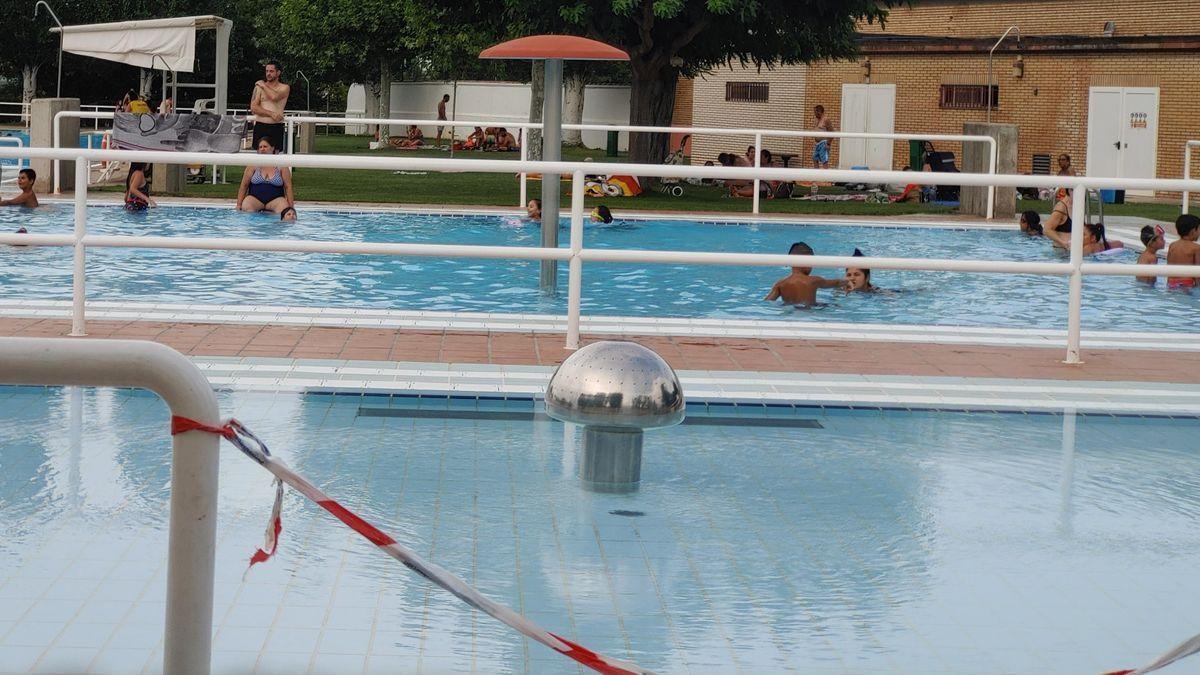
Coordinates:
<point>551,152</point>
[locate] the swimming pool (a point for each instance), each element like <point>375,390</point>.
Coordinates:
<point>863,542</point>
<point>654,290</point>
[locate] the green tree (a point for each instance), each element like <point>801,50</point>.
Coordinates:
<point>669,38</point>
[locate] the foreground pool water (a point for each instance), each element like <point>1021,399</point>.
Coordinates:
<point>863,542</point>
<point>1019,301</point>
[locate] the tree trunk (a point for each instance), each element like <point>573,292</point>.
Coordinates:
<point>145,82</point>
<point>28,85</point>
<point>371,89</point>
<point>536,101</point>
<point>573,108</point>
<point>651,104</point>
<point>385,98</point>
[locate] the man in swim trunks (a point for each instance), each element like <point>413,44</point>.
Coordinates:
<point>1185,251</point>
<point>267,103</point>
<point>441,115</point>
<point>820,156</point>
<point>800,287</point>
<point>27,198</point>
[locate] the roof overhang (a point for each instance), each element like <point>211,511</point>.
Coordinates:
<point>566,47</point>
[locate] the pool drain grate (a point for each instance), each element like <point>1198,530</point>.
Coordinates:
<point>627,514</point>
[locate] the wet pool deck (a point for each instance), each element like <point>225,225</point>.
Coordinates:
<point>682,352</point>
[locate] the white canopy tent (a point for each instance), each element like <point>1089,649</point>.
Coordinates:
<point>163,44</point>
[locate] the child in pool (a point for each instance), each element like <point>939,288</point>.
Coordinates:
<point>800,287</point>
<point>858,279</point>
<point>1152,238</point>
<point>601,214</point>
<point>1184,251</point>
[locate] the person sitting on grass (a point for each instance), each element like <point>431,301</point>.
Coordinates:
<point>1185,250</point>
<point>412,141</point>
<point>1153,238</point>
<point>505,141</point>
<point>800,287</point>
<point>601,214</point>
<point>137,187</point>
<point>1031,224</point>
<point>28,198</point>
<point>858,279</point>
<point>737,187</point>
<point>534,209</point>
<point>475,140</point>
<point>267,188</point>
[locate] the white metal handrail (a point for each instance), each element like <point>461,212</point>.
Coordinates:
<point>20,143</point>
<point>758,134</point>
<point>191,548</point>
<point>1187,170</point>
<point>576,254</point>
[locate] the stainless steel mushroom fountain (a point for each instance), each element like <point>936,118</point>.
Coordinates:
<point>616,390</point>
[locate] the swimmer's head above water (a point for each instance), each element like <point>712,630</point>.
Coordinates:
<point>1031,223</point>
<point>801,248</point>
<point>858,278</point>
<point>602,214</point>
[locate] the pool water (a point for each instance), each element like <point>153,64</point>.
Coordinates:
<point>871,542</point>
<point>646,290</point>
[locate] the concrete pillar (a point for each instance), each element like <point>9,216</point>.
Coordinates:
<point>41,135</point>
<point>167,179</point>
<point>306,138</point>
<point>976,158</point>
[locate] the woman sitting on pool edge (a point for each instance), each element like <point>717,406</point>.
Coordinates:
<point>859,278</point>
<point>266,188</point>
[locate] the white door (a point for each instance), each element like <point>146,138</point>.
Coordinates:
<point>867,108</point>
<point>1123,132</point>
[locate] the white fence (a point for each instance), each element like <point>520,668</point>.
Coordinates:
<point>576,255</point>
<point>758,134</point>
<point>1187,170</point>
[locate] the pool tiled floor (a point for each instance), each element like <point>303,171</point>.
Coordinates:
<point>874,357</point>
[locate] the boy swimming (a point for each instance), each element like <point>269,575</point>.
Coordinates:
<point>28,198</point>
<point>800,287</point>
<point>1185,251</point>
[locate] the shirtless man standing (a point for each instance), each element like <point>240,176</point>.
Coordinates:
<point>820,154</point>
<point>441,113</point>
<point>267,103</point>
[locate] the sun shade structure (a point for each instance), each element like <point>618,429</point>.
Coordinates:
<point>567,47</point>
<point>554,49</point>
<point>163,44</point>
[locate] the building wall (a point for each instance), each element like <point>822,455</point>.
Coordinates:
<point>983,18</point>
<point>783,110</point>
<point>1049,104</point>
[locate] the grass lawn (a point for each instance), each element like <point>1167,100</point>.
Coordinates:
<point>478,189</point>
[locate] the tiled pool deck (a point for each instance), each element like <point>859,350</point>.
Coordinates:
<point>682,352</point>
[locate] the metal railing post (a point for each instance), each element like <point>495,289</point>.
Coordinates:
<point>1187,172</point>
<point>287,129</point>
<point>191,545</point>
<point>575,273</point>
<point>79,276</point>
<point>524,176</point>
<point>56,137</point>
<point>991,204</point>
<point>757,165</point>
<point>1075,301</point>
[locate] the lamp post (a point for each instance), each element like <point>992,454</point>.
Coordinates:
<point>40,3</point>
<point>307,92</point>
<point>989,74</point>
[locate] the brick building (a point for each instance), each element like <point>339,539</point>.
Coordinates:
<point>1086,75</point>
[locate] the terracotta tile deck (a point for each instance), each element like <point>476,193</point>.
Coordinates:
<point>684,353</point>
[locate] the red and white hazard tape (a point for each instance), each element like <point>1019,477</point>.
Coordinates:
<point>255,449</point>
<point>1182,650</point>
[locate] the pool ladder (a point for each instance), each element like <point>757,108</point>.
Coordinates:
<point>1099,207</point>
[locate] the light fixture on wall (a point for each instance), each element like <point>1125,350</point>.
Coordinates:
<point>1019,66</point>
<point>866,70</point>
